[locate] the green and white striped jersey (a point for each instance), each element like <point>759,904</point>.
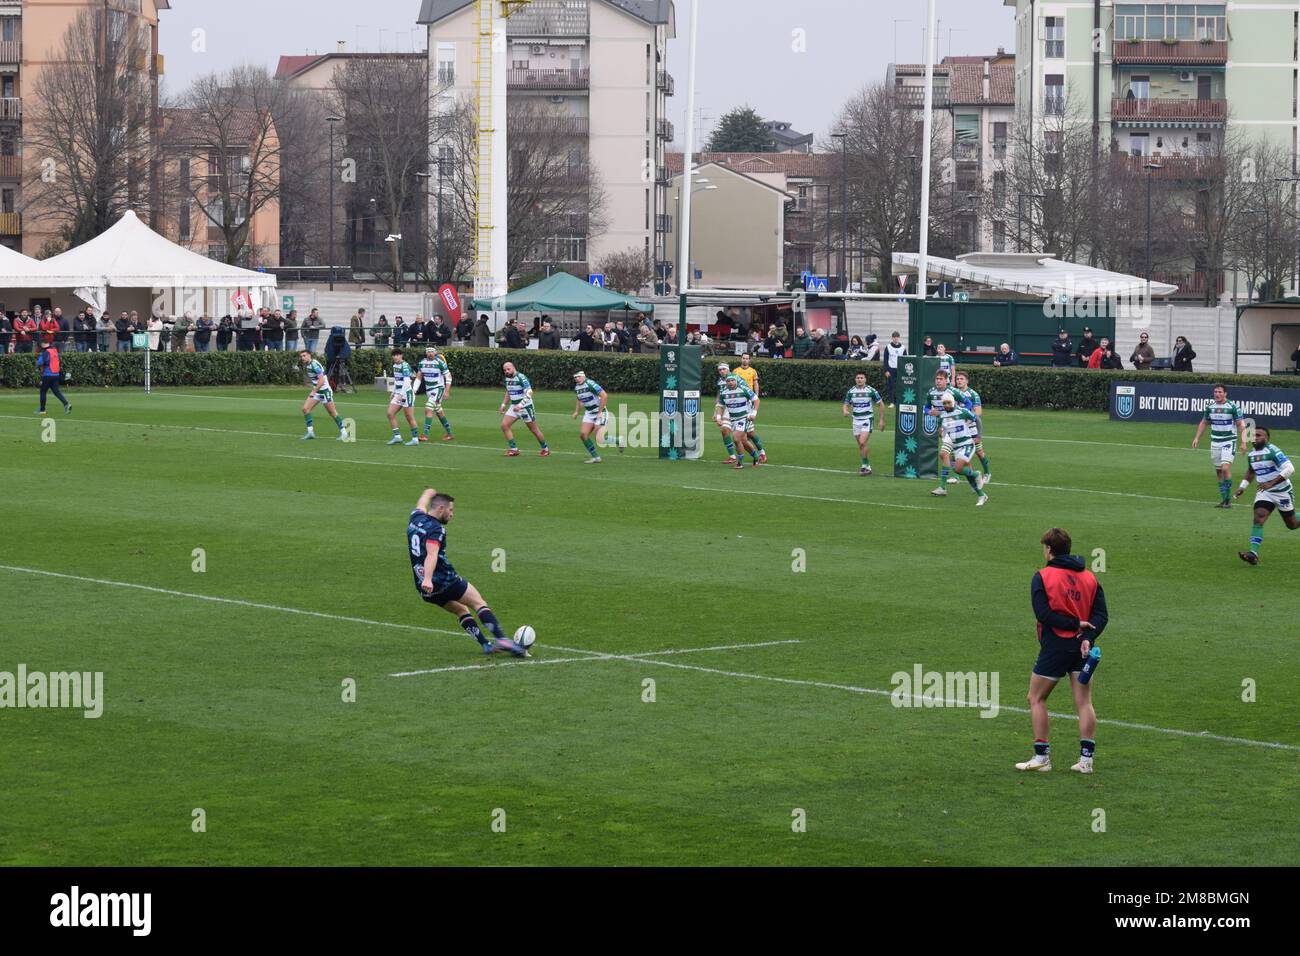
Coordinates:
<point>434,371</point>
<point>403,377</point>
<point>1267,464</point>
<point>1223,417</point>
<point>947,364</point>
<point>934,397</point>
<point>960,426</point>
<point>314,371</point>
<point>862,402</point>
<point>968,397</point>
<point>589,394</point>
<point>517,388</point>
<point>738,401</point>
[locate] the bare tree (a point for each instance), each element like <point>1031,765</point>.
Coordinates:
<point>884,150</point>
<point>385,101</point>
<point>1264,242</point>
<point>304,177</point>
<point>90,126</point>
<point>627,271</point>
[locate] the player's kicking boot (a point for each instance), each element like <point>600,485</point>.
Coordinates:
<point>1250,557</point>
<point>1083,766</point>
<point>1039,762</point>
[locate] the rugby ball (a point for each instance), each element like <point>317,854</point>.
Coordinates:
<point>525,636</point>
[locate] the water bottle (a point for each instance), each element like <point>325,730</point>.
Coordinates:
<point>1090,665</point>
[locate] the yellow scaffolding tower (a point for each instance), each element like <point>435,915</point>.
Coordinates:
<point>491,211</point>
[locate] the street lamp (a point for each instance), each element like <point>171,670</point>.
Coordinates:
<point>333,121</point>
<point>844,208</point>
<point>1151,169</point>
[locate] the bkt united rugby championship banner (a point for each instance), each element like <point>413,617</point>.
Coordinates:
<point>1155,401</point>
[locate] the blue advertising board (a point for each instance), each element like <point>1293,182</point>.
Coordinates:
<point>1151,400</point>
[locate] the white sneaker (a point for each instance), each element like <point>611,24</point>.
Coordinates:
<point>592,461</point>
<point>890,405</point>
<point>866,470</point>
<point>395,440</point>
<point>1083,766</point>
<point>309,436</point>
<point>940,492</point>
<point>1039,763</point>
<point>983,499</point>
<point>952,480</point>
<point>984,480</point>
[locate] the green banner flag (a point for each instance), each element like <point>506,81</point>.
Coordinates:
<point>916,434</point>
<point>680,425</point>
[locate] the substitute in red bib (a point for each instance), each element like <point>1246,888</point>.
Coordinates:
<point>1070,607</point>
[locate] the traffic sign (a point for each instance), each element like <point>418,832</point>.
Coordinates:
<point>817,284</point>
<point>597,280</point>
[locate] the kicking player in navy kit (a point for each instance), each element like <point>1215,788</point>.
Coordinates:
<point>438,582</point>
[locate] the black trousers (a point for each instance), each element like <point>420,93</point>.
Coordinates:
<point>50,383</point>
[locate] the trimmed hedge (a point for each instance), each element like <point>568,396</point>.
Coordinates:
<point>826,380</point>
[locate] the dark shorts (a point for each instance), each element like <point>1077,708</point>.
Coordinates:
<point>452,590</point>
<point>1058,656</point>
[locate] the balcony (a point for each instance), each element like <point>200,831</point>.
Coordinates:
<point>11,52</point>
<point>564,79</point>
<point>11,108</point>
<point>548,18</point>
<point>554,125</point>
<point>666,131</point>
<point>1171,167</point>
<point>663,223</point>
<point>1176,53</point>
<point>11,167</point>
<point>966,152</point>
<point>665,82</point>
<point>1168,112</point>
<point>11,224</point>
<point>914,96</point>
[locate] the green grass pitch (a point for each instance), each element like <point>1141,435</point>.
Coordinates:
<point>237,709</point>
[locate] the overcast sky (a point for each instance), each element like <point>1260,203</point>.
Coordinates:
<point>746,50</point>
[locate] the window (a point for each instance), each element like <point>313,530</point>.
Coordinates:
<point>8,142</point>
<point>183,218</point>
<point>999,237</point>
<point>999,140</point>
<point>7,88</point>
<point>9,30</point>
<point>1140,86</point>
<point>446,64</point>
<point>184,176</point>
<point>1054,100</point>
<point>521,64</point>
<point>1055,34</point>
<point>999,189</point>
<point>1139,144</point>
<point>7,197</point>
<point>1171,21</point>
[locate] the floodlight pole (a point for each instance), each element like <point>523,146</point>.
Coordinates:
<point>684,227</point>
<point>927,129</point>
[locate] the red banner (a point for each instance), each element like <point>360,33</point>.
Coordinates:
<point>451,300</point>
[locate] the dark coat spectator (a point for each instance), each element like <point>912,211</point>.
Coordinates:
<point>465,328</point>
<point>437,332</point>
<point>291,331</point>
<point>820,347</point>
<point>1110,359</point>
<point>122,328</point>
<point>802,342</point>
<point>624,336</point>
<point>1062,350</point>
<point>587,339</point>
<point>6,333</point>
<point>648,339</point>
<point>273,332</point>
<point>927,347</point>
<point>548,338</point>
<point>203,333</point>
<point>1143,355</point>
<point>482,337</point>
<point>181,331</point>
<point>397,333</point>
<point>311,330</point>
<point>1006,356</point>
<point>1087,345</point>
<point>775,345</point>
<point>64,336</point>
<point>514,336</point>
<point>83,331</point>
<point>415,333</point>
<point>356,328</point>
<point>1183,355</point>
<point>660,332</point>
<point>1295,357</point>
<point>857,349</point>
<point>225,332</point>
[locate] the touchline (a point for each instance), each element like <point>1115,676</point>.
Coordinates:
<point>37,689</point>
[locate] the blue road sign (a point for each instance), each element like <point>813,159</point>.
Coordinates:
<point>597,279</point>
<point>817,284</point>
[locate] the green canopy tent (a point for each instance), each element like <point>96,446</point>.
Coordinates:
<point>562,292</point>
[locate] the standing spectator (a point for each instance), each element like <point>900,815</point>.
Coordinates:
<point>83,333</point>
<point>259,329</point>
<point>291,331</point>
<point>274,332</point>
<point>122,328</point>
<point>820,347</point>
<point>203,333</point>
<point>894,350</point>
<point>247,325</point>
<point>465,328</point>
<point>660,332</point>
<point>586,339</point>
<point>857,349</point>
<point>625,337</point>
<point>482,336</point>
<point>25,332</point>
<point>64,336</point>
<point>1062,350</point>
<point>383,331</point>
<point>6,333</point>
<point>1183,355</point>
<point>357,329</point>
<point>608,340</point>
<point>1087,345</point>
<point>169,323</point>
<point>1110,358</point>
<point>104,328</point>
<point>49,329</point>
<point>181,331</point>
<point>437,332</point>
<point>415,332</point>
<point>548,339</point>
<point>1006,357</point>
<point>1144,354</point>
<point>648,339</point>
<point>225,332</point>
<point>311,330</point>
<point>48,363</point>
<point>781,331</point>
<point>514,336</point>
<point>1295,357</point>
<point>802,342</point>
<point>774,343</point>
<point>155,329</point>
<point>927,347</point>
<point>1094,360</point>
<point>754,341</point>
<point>873,348</point>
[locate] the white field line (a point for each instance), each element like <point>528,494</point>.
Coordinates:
<point>594,656</point>
<point>778,494</point>
<point>652,661</point>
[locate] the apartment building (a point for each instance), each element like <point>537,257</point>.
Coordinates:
<point>595,70</point>
<point>974,103</point>
<point>31,40</point>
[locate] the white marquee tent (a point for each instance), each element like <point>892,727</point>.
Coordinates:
<point>1034,274</point>
<point>130,255</point>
